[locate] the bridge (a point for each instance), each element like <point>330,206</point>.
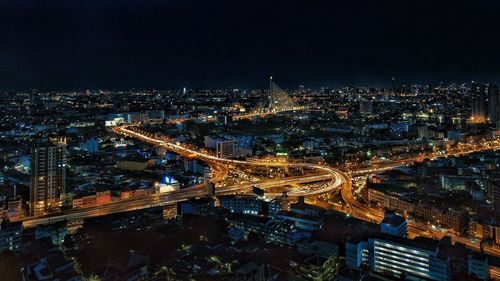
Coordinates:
<point>278,101</point>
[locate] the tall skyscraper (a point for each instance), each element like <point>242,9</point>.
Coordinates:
<point>493,106</point>
<point>478,112</point>
<point>48,175</point>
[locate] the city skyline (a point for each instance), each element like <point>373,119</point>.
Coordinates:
<point>171,140</point>
<point>172,44</point>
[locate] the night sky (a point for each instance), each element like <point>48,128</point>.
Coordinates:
<point>81,44</point>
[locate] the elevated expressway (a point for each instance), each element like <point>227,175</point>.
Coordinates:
<point>335,175</point>
<point>338,180</point>
<point>369,213</point>
<point>220,168</point>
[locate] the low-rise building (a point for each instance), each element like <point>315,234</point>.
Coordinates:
<point>281,232</point>
<point>130,267</point>
<point>398,256</point>
<point>246,204</point>
<point>478,266</point>
<point>301,221</point>
<point>310,247</point>
<point>11,235</point>
<point>56,232</point>
<point>51,266</point>
<point>393,224</point>
<point>195,206</point>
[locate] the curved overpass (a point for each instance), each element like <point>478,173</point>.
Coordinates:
<point>221,171</point>
<point>335,175</point>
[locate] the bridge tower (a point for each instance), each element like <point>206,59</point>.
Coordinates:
<point>271,94</point>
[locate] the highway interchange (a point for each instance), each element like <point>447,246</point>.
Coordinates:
<point>337,180</point>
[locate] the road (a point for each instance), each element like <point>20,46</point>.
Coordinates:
<point>335,174</point>
<point>414,229</point>
<point>156,200</point>
<point>343,181</point>
<point>220,167</point>
<point>338,180</point>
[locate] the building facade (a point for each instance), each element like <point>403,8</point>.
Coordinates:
<point>48,177</point>
<point>400,257</point>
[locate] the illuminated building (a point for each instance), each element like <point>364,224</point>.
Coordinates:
<point>478,112</point>
<point>393,224</point>
<point>306,209</point>
<point>97,199</point>
<point>398,256</point>
<point>48,176</point>
<point>245,204</point>
<point>224,148</point>
<point>90,145</point>
<point>168,184</point>
<point>197,167</point>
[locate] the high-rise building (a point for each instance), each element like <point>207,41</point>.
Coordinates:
<point>225,148</point>
<point>478,111</point>
<point>48,176</point>
<point>493,106</point>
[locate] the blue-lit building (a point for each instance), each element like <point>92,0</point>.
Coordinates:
<point>478,266</point>
<point>399,256</point>
<point>195,206</point>
<point>393,224</point>
<point>276,205</point>
<point>90,145</point>
<point>235,234</point>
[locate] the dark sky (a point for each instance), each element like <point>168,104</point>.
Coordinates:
<point>123,44</point>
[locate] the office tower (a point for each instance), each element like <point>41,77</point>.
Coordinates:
<point>48,175</point>
<point>478,112</point>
